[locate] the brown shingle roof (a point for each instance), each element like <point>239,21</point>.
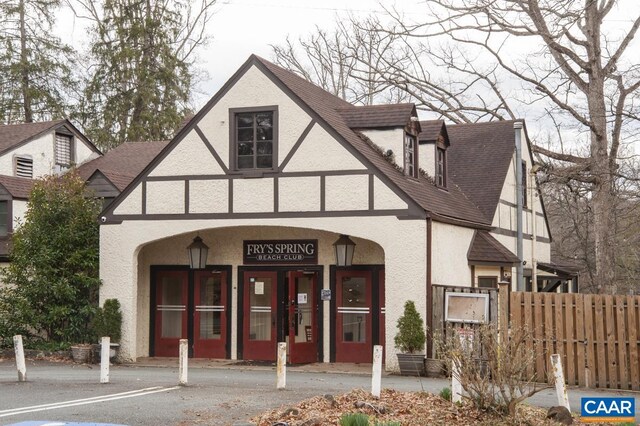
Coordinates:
<point>450,204</point>
<point>18,187</point>
<point>486,249</point>
<point>14,134</point>
<point>430,130</point>
<point>478,160</point>
<point>124,162</point>
<point>378,116</point>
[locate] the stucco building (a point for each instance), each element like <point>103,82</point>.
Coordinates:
<point>273,174</point>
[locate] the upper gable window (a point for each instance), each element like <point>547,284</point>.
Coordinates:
<point>410,157</point>
<point>255,139</point>
<point>4,218</point>
<point>64,150</point>
<point>24,166</point>
<point>441,167</point>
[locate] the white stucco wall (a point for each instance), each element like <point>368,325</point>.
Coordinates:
<point>208,196</point>
<point>253,195</point>
<point>347,192</point>
<point>392,139</point>
<point>165,197</point>
<point>19,208</point>
<point>299,194</point>
<point>385,198</point>
<point>485,271</point>
<point>125,274</point>
<point>132,204</point>
<point>180,161</point>
<point>427,157</point>
<point>450,245</point>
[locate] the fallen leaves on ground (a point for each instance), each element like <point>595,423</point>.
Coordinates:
<point>406,408</point>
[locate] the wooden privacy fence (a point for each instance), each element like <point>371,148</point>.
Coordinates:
<point>596,335</point>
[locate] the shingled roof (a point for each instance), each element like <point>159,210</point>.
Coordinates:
<point>486,249</point>
<point>478,160</point>
<point>451,204</point>
<point>123,163</point>
<point>378,116</point>
<point>18,187</point>
<point>430,130</point>
<point>12,135</point>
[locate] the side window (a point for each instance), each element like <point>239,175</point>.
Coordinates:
<point>254,141</point>
<point>410,155</point>
<point>488,282</point>
<point>4,218</point>
<point>23,166</point>
<point>441,167</point>
<point>64,150</point>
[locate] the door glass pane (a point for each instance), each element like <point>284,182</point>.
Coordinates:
<point>210,307</point>
<point>260,309</point>
<point>354,309</point>
<point>171,307</point>
<point>303,313</point>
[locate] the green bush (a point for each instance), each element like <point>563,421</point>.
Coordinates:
<point>411,333</point>
<point>354,419</point>
<point>108,321</point>
<point>445,393</point>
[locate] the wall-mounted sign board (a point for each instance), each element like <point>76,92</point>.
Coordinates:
<point>297,252</point>
<point>466,307</point>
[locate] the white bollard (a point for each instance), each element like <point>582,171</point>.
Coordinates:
<point>376,373</point>
<point>282,366</point>
<point>561,388</point>
<point>20,364</point>
<point>184,362</point>
<point>456,386</point>
<point>105,348</point>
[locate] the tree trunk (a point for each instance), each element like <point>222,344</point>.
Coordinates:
<point>24,67</point>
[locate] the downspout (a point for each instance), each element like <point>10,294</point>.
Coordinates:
<point>429,307</point>
<point>517,126</point>
<point>534,219</point>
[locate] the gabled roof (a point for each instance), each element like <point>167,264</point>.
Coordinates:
<point>15,135</point>
<point>123,163</point>
<point>18,187</point>
<point>378,116</point>
<point>478,160</point>
<point>439,203</point>
<point>430,130</point>
<point>486,249</point>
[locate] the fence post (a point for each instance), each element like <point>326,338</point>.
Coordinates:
<point>503,308</point>
<point>561,389</point>
<point>282,366</point>
<point>376,374</point>
<point>183,368</point>
<point>104,359</point>
<point>20,364</point>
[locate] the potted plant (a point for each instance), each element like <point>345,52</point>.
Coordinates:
<point>108,322</point>
<point>410,341</point>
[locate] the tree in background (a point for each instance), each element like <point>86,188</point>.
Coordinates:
<point>481,60</point>
<point>52,281</point>
<point>36,79</point>
<point>141,67</point>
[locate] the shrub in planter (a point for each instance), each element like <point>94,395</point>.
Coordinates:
<point>410,339</point>
<point>108,322</point>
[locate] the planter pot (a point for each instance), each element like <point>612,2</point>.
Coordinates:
<point>81,353</point>
<point>434,367</point>
<point>411,364</point>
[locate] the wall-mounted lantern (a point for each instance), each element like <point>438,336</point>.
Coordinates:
<point>344,250</point>
<point>198,252</point>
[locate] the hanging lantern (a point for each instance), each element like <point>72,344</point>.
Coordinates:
<point>344,250</point>
<point>198,252</point>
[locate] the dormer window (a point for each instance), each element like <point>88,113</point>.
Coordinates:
<point>24,166</point>
<point>64,150</point>
<point>254,139</point>
<point>410,158</point>
<point>441,167</point>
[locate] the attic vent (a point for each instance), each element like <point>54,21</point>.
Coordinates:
<point>63,150</point>
<point>24,166</point>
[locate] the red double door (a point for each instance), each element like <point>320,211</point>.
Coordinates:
<point>280,306</point>
<point>181,296</point>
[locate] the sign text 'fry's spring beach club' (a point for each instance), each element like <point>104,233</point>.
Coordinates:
<point>283,213</point>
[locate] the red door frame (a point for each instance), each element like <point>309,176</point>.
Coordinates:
<point>259,350</point>
<point>353,351</point>
<point>303,352</point>
<point>169,347</point>
<point>210,348</point>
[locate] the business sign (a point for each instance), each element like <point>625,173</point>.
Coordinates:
<point>608,410</point>
<point>262,252</point>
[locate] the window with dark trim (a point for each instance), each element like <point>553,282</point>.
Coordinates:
<point>254,141</point>
<point>441,167</point>
<point>24,166</point>
<point>410,155</point>
<point>64,150</point>
<point>488,282</point>
<point>4,218</point>
<point>524,184</point>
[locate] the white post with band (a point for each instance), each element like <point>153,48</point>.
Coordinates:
<point>183,368</point>
<point>282,366</point>
<point>20,364</point>
<point>376,374</point>
<point>104,359</point>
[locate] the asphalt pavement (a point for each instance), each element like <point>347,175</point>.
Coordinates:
<point>217,393</point>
